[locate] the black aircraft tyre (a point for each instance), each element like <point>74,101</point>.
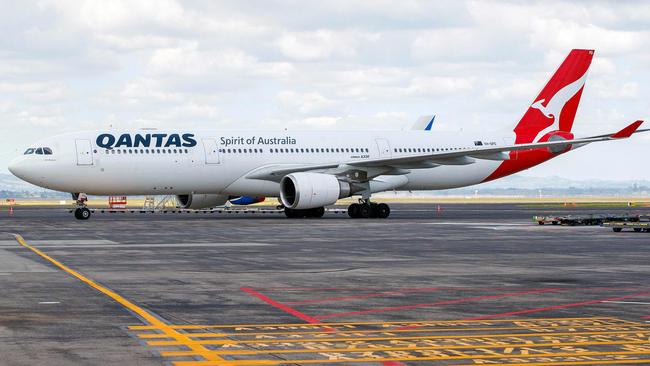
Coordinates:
<point>365,211</point>
<point>383,210</point>
<point>310,212</point>
<point>353,210</point>
<point>82,213</point>
<point>317,212</point>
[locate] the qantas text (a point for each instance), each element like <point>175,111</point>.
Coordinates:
<point>108,141</point>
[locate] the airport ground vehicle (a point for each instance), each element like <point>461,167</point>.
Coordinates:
<point>310,170</point>
<point>642,224</point>
<point>587,219</point>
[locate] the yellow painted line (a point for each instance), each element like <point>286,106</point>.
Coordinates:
<point>162,335</point>
<point>522,335</point>
<point>427,358</point>
<point>402,323</point>
<point>541,331</point>
<point>143,314</point>
<point>616,362</point>
<point>403,348</point>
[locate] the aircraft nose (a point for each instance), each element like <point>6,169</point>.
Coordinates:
<point>19,168</point>
<point>14,167</point>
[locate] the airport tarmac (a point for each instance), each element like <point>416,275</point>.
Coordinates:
<point>464,285</point>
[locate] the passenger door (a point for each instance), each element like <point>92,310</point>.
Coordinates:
<point>384,148</point>
<point>84,152</point>
<point>211,151</point>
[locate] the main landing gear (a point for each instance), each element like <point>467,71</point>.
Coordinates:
<point>81,212</point>
<point>293,213</point>
<point>366,209</point>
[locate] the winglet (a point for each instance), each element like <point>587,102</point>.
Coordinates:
<point>430,124</point>
<point>627,131</point>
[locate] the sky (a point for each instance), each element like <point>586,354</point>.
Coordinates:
<point>312,65</point>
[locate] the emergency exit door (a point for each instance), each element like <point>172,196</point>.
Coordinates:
<point>211,151</point>
<point>84,152</point>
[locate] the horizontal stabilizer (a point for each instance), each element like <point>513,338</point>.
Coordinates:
<point>628,131</point>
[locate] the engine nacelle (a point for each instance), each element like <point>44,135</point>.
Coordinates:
<point>195,201</point>
<point>311,190</point>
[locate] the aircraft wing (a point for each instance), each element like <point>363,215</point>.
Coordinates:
<point>402,164</point>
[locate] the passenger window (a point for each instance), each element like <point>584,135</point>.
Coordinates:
<point>135,151</point>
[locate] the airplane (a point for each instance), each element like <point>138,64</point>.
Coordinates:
<point>309,170</point>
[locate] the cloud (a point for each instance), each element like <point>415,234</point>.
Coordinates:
<point>304,103</point>
<point>323,44</point>
<point>75,64</point>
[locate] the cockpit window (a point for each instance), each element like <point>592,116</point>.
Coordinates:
<point>47,151</point>
<point>39,151</point>
<point>29,151</point>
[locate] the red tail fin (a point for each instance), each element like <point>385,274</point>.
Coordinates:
<point>555,107</point>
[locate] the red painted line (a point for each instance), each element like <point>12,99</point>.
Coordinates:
<point>646,317</point>
<point>281,306</point>
<point>447,302</point>
<point>404,289</point>
<point>556,307</point>
<point>300,315</point>
<point>380,294</point>
<point>321,289</point>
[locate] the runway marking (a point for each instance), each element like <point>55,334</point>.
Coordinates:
<point>303,326</point>
<point>538,342</point>
<point>144,315</point>
<point>365,296</point>
<point>628,302</point>
<point>556,307</point>
<point>439,303</point>
<point>281,306</point>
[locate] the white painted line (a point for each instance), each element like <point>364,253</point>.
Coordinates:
<point>158,245</point>
<point>629,302</point>
<point>149,245</point>
<point>480,223</point>
<point>49,302</point>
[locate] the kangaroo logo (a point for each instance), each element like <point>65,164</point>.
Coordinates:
<point>554,106</point>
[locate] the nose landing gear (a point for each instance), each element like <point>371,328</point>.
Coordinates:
<point>366,209</point>
<point>81,212</point>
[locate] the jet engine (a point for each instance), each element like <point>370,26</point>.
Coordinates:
<point>311,190</point>
<point>195,201</point>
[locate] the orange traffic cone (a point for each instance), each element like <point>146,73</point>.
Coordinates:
<point>11,210</point>
<point>439,210</point>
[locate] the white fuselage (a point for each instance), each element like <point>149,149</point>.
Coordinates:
<point>219,161</point>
